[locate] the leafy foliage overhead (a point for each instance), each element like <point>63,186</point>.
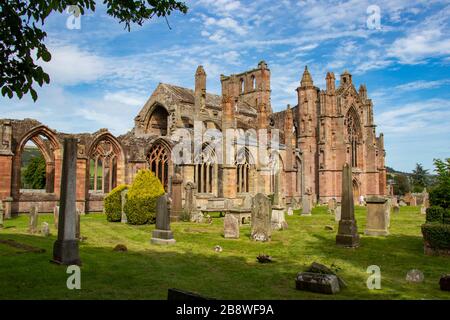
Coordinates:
<point>22,37</point>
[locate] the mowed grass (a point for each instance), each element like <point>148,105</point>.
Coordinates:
<point>146,271</point>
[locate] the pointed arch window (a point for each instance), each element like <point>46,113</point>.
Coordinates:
<point>158,160</point>
<point>205,170</point>
<point>103,168</point>
<point>243,163</point>
<point>353,129</point>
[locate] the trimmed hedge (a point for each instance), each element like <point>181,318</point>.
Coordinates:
<point>435,214</point>
<point>141,198</point>
<point>437,235</point>
<point>113,203</point>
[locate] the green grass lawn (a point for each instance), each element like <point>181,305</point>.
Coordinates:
<point>146,271</point>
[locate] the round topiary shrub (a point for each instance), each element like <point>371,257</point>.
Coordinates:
<point>113,203</point>
<point>141,198</point>
<point>435,214</point>
<point>436,235</point>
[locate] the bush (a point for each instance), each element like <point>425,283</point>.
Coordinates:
<point>437,235</point>
<point>141,198</point>
<point>440,196</point>
<point>435,214</point>
<point>446,217</point>
<point>113,203</point>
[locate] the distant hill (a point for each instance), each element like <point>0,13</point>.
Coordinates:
<point>28,153</point>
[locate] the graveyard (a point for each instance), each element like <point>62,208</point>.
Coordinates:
<point>146,270</point>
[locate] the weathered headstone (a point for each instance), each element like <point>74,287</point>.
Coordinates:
<point>7,207</point>
<point>278,220</point>
<point>162,233</point>
<point>290,211</point>
<point>189,202</point>
<point>34,217</point>
<point>56,216</point>
<point>306,205</point>
<point>337,213</point>
<point>444,282</point>
<point>231,227</point>
<point>65,249</point>
<point>348,230</point>
<point>402,203</point>
<point>395,208</point>
<point>261,218</point>
<point>197,216</point>
<point>332,206</point>
<point>123,201</point>
<point>317,282</point>
<point>177,206</point>
<point>378,216</point>
<point>45,229</point>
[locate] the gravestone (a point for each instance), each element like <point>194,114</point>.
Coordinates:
<point>278,221</point>
<point>162,233</point>
<point>290,211</point>
<point>177,206</point>
<point>378,216</point>
<point>56,216</point>
<point>261,218</point>
<point>189,202</point>
<point>394,201</point>
<point>65,249</point>
<point>34,217</point>
<point>348,230</point>
<point>306,205</point>
<point>337,213</point>
<point>317,282</point>
<point>231,227</point>
<point>7,207</point>
<point>123,201</point>
<point>45,229</point>
<point>444,282</point>
<point>415,276</point>
<point>332,206</point>
<point>1,214</point>
<point>402,203</point>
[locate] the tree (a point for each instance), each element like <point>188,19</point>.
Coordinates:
<point>22,37</point>
<point>419,178</point>
<point>440,194</point>
<point>34,174</point>
<point>401,184</point>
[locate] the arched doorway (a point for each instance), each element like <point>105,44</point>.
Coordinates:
<point>158,121</point>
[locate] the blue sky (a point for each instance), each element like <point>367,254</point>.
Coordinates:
<point>101,74</point>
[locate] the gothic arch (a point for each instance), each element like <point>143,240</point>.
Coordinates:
<point>206,170</point>
<point>245,171</point>
<point>277,167</point>
<point>105,167</point>
<point>353,134</point>
<point>157,120</point>
<point>160,162</point>
<point>51,153</point>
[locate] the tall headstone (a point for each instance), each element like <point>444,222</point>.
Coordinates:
<point>306,205</point>
<point>177,206</point>
<point>34,217</point>
<point>261,218</point>
<point>278,220</point>
<point>123,201</point>
<point>348,231</point>
<point>231,227</point>
<point>378,216</point>
<point>189,202</point>
<point>162,233</point>
<point>56,216</point>
<point>45,230</point>
<point>65,249</point>
<point>337,213</point>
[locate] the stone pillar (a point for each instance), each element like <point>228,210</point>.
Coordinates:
<point>378,216</point>
<point>177,206</point>
<point>162,233</point>
<point>348,230</point>
<point>65,249</point>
